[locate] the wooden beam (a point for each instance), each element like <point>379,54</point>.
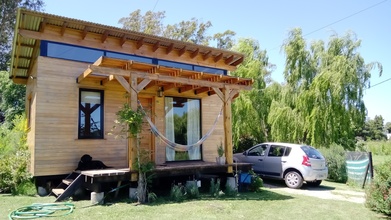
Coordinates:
<point>156,46</point>
<point>123,82</point>
<point>170,48</point>
<point>85,32</point>
<point>23,57</point>
<point>132,150</point>
<point>228,130</point>
<point>83,75</point>
<point>165,78</point>
<point>99,61</point>
<point>237,62</point>
<point>63,28</point>
<point>42,25</point>
<point>229,59</point>
<point>123,40</point>
<point>219,93</point>
<point>108,79</point>
<point>195,53</point>
<point>140,43</point>
<point>233,94</point>
<point>182,51</point>
<point>142,84</point>
<point>26,45</point>
<point>104,36</point>
<point>170,86</point>
<point>201,90</point>
<point>186,88</point>
<point>218,57</point>
<point>207,55</point>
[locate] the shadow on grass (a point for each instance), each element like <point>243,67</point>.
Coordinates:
<point>277,184</point>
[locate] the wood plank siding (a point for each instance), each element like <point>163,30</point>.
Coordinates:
<point>57,148</point>
<point>53,135</point>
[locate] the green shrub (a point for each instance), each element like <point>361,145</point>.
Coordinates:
<point>377,147</point>
<point>214,189</point>
<point>256,182</point>
<point>244,143</point>
<point>192,191</point>
<point>152,197</point>
<point>177,193</point>
<point>26,188</point>
<point>379,192</point>
<point>14,158</point>
<point>336,162</point>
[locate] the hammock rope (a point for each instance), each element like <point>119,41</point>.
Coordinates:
<point>176,146</point>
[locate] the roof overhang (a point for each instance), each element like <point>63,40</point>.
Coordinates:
<point>165,78</point>
<point>32,27</point>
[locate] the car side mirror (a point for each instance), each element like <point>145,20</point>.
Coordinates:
<point>245,153</point>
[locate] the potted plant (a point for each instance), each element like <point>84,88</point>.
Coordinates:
<point>220,152</point>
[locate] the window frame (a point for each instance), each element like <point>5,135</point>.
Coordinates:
<point>101,115</point>
<point>200,129</point>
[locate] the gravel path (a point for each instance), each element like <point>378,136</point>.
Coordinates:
<point>323,193</point>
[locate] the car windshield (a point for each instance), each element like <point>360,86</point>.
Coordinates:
<point>312,152</point>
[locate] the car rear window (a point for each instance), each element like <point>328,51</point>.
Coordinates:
<point>312,152</point>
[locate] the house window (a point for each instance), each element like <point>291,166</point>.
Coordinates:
<point>182,126</point>
<point>90,114</point>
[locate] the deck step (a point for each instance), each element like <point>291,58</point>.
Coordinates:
<point>58,191</point>
<point>67,181</point>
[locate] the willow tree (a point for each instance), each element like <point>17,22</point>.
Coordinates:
<point>250,109</point>
<point>322,98</point>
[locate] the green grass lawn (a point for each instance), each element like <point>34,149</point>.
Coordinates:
<point>268,204</point>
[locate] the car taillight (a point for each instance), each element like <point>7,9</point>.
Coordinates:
<point>306,161</point>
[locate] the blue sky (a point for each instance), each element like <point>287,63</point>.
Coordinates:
<point>268,22</point>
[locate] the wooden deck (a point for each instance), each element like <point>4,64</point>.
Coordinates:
<point>196,168</point>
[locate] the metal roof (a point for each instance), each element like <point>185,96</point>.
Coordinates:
<point>26,49</point>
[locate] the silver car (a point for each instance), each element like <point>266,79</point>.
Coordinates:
<point>293,163</point>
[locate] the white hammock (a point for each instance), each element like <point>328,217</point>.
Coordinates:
<point>176,146</point>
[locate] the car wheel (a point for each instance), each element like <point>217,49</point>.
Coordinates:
<point>314,183</point>
<point>293,180</point>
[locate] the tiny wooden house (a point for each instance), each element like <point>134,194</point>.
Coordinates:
<point>77,74</point>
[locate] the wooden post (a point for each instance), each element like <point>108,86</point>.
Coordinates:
<point>228,129</point>
<point>132,148</point>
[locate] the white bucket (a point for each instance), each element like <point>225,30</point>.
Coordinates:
<point>97,197</point>
<point>132,193</point>
<point>231,182</point>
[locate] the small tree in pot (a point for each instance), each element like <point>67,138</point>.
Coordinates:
<point>220,152</point>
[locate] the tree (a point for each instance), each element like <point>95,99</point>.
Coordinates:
<point>250,110</point>
<point>11,100</point>
<point>188,31</point>
<point>387,127</point>
<point>373,129</point>
<point>8,11</point>
<point>11,95</point>
<point>322,99</point>
<point>150,23</point>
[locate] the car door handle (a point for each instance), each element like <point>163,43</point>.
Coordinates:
<point>260,159</point>
<point>283,161</point>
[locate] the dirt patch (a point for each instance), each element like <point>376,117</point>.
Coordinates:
<point>322,192</point>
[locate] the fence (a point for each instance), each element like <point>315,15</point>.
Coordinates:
<point>359,167</point>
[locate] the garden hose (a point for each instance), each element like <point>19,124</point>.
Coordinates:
<point>38,210</point>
